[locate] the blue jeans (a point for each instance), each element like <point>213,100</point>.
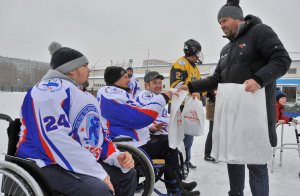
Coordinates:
<point>188,142</point>
<point>258,179</point>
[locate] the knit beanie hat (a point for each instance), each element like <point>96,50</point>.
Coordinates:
<point>113,74</point>
<point>232,10</point>
<point>279,94</point>
<point>65,59</point>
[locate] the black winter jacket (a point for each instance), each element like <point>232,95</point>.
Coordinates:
<point>255,53</point>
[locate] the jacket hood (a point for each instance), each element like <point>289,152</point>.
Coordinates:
<point>250,21</point>
<point>56,74</point>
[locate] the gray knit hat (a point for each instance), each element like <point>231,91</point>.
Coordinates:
<point>65,59</point>
<point>232,10</point>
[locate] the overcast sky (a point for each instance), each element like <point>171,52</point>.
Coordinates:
<point>119,30</point>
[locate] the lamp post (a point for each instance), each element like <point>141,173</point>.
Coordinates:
<point>147,61</point>
<point>94,69</point>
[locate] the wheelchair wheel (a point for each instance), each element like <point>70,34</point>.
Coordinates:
<point>16,181</point>
<point>143,167</point>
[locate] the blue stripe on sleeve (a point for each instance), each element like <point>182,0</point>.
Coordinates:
<point>123,114</point>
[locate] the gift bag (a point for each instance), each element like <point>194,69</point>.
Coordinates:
<point>175,127</point>
<point>240,132</point>
<point>193,117</point>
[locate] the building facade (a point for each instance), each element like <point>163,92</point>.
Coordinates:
<point>289,83</point>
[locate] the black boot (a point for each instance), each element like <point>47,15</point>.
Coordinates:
<point>189,186</point>
<point>209,159</point>
<point>192,193</point>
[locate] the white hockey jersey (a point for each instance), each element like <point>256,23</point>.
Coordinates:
<point>134,86</point>
<point>126,117</point>
<point>61,125</point>
<point>144,97</point>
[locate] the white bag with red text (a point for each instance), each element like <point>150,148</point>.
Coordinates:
<point>193,117</point>
<point>175,127</point>
<point>240,132</point>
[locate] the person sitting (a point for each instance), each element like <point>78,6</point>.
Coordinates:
<point>126,117</point>
<point>61,131</point>
<point>280,103</point>
<point>158,129</point>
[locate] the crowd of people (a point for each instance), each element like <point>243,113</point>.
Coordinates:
<point>68,132</point>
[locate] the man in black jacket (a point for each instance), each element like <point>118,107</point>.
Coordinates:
<point>255,57</point>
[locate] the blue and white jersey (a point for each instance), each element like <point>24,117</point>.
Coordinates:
<point>143,98</point>
<point>61,125</point>
<point>134,86</point>
<point>126,117</point>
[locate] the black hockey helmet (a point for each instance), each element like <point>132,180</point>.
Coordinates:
<point>191,47</point>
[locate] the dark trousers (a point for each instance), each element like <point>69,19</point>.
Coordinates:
<point>74,184</point>
<point>258,179</point>
<point>124,183</point>
<point>208,142</point>
<point>158,148</point>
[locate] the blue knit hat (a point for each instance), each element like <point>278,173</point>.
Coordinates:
<point>279,94</point>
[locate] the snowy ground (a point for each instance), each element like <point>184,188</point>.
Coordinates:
<point>212,178</point>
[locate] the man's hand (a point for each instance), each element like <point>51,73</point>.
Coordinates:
<point>196,95</point>
<point>295,121</point>
<point>125,160</point>
<point>281,121</point>
<point>251,86</point>
<point>168,93</point>
<point>158,126</point>
<point>183,87</point>
<point>109,184</point>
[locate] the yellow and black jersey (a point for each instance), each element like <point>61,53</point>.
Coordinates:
<point>182,72</point>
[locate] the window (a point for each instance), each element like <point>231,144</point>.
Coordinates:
<point>291,92</point>
<point>292,71</point>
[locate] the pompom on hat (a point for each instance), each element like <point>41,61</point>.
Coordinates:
<point>65,59</point>
<point>113,74</point>
<point>231,10</point>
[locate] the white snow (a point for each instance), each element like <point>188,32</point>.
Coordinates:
<point>212,178</point>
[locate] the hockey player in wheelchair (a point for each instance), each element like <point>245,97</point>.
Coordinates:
<point>62,133</point>
<point>127,117</point>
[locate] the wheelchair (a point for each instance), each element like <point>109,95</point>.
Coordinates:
<point>149,171</point>
<point>23,177</point>
<point>20,176</point>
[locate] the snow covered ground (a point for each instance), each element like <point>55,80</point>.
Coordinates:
<point>212,178</point>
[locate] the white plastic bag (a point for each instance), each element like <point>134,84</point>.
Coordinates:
<point>193,117</point>
<point>175,127</point>
<point>240,133</point>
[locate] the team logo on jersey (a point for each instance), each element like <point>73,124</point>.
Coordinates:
<point>181,62</point>
<point>51,85</point>
<point>147,95</point>
<point>112,90</point>
<point>92,127</point>
<point>87,123</point>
